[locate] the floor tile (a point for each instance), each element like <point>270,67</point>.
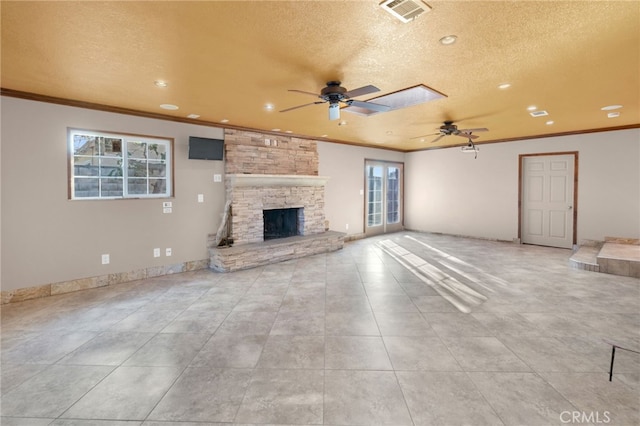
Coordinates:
<point>351,324</point>
<point>549,354</point>
<point>230,351</point>
<point>204,395</point>
<point>439,398</point>
<point>433,303</point>
<point>51,392</point>
<point>168,350</point>
<point>46,348</point>
<point>456,324</point>
<point>299,323</point>
<point>364,398</point>
<point>593,393</point>
<point>484,354</point>
<point>129,393</point>
<point>522,398</point>
<point>420,353</point>
<point>288,352</point>
<point>340,303</point>
<point>196,321</point>
<point>356,353</point>
<point>284,397</point>
<point>335,345</point>
<point>403,324</point>
<point>109,348</point>
<point>247,323</point>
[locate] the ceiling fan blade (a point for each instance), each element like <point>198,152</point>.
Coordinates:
<point>364,90</point>
<point>334,111</point>
<point>466,135</point>
<point>300,106</point>
<point>305,93</point>
<point>481,129</point>
<point>424,136</point>
<point>438,138</point>
<point>369,105</point>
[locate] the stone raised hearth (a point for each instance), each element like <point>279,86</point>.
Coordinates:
<point>244,256</point>
<point>617,256</point>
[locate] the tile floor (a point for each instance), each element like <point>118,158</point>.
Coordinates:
<point>403,329</point>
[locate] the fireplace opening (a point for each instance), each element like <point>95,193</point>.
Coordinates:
<point>282,223</point>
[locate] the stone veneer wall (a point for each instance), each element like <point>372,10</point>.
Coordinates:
<point>259,153</point>
<point>249,202</point>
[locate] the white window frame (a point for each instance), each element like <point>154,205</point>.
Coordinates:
<point>123,171</point>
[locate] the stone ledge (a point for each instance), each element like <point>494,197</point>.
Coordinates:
<point>45,290</point>
<point>246,256</point>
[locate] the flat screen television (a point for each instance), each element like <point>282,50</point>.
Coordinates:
<point>205,148</point>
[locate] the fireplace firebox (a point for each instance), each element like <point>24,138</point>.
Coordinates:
<point>282,223</point>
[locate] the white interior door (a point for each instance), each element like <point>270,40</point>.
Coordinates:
<point>547,200</point>
<point>383,201</point>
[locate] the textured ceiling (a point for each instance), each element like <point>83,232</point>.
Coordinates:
<point>226,60</point>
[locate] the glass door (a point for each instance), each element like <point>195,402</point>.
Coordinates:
<point>383,201</point>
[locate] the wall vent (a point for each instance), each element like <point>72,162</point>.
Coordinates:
<point>405,10</point>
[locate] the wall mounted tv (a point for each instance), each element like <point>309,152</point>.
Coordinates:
<point>205,148</point>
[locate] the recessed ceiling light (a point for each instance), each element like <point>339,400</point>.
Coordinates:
<point>549,123</point>
<point>169,107</point>
<point>342,123</point>
<point>613,114</point>
<point>269,107</point>
<point>532,108</point>
<point>389,132</point>
<point>447,40</point>
<point>275,130</point>
<point>224,120</point>
<point>160,83</point>
<point>611,107</point>
<point>504,86</point>
<point>324,136</point>
<point>288,131</point>
<point>193,116</point>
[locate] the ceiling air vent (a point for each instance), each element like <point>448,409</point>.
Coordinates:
<point>538,113</point>
<point>405,10</point>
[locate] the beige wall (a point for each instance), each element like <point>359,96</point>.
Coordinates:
<point>344,164</point>
<point>47,238</point>
<point>448,191</point>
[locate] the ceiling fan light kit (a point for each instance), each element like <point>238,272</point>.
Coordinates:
<point>334,94</point>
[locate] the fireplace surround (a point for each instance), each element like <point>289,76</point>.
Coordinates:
<point>270,172</point>
<point>250,195</point>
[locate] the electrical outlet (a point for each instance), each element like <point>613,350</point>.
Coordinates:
<point>156,252</point>
<point>201,198</point>
<point>347,226</point>
<point>105,259</point>
<point>167,252</point>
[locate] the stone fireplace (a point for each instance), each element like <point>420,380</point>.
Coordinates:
<point>290,199</point>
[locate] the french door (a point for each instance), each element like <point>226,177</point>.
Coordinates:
<point>384,197</point>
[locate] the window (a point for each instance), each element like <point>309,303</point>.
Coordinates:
<point>108,166</point>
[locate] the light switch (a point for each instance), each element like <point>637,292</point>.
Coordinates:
<point>217,178</point>
<point>201,198</point>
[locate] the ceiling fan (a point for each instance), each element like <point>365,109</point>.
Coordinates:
<point>448,129</point>
<point>334,94</point>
